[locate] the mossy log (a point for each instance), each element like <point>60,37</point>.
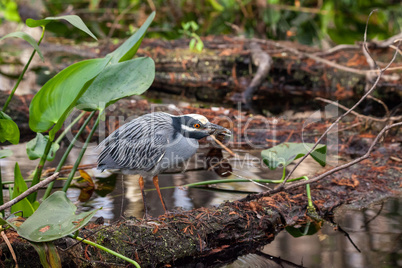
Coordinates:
<point>216,235</point>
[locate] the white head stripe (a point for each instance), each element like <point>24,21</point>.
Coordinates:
<point>187,128</point>
<point>199,117</point>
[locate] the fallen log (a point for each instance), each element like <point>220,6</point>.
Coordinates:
<point>226,67</point>
<point>216,235</point>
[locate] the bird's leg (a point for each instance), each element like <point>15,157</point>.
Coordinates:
<point>141,183</point>
<point>156,183</point>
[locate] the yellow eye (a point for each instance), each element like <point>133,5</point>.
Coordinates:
<point>197,125</point>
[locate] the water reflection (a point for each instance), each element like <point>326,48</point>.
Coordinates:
<point>379,239</point>
<point>378,236</point>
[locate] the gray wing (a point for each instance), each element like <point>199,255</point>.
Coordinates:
<point>133,146</point>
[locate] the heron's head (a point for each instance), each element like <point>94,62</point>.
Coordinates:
<point>197,126</point>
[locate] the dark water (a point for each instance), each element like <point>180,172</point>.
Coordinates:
<point>376,231</point>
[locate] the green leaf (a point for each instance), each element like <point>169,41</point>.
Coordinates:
<point>117,81</point>
<point>285,153</point>
<point>55,218</point>
<point>48,254</point>
<point>73,19</point>
<point>8,129</point>
<point>19,187</point>
<point>27,38</point>
<point>308,229</point>
<point>191,45</point>
<point>5,153</point>
<point>3,222</point>
<point>200,46</point>
<point>128,49</point>
<point>215,4</point>
<point>10,10</point>
<point>36,148</point>
<point>53,103</point>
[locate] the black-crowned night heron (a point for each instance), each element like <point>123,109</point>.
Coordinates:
<point>153,143</point>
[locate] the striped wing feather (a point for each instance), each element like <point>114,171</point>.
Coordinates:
<point>136,146</point>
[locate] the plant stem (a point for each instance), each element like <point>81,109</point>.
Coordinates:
<point>1,193</point>
<point>23,73</point>
<point>310,202</point>
<point>107,250</point>
<point>67,152</point>
<point>69,127</point>
<point>283,173</point>
<point>38,170</point>
<point>78,161</point>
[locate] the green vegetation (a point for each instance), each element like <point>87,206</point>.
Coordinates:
<point>308,21</point>
<point>89,85</point>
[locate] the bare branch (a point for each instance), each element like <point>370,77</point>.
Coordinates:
<point>30,191</point>
<point>381,71</point>
<point>370,60</point>
<point>387,113</point>
<point>393,118</point>
<point>281,186</point>
<point>319,177</point>
<point>357,160</point>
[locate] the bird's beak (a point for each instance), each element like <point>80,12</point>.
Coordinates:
<point>218,130</point>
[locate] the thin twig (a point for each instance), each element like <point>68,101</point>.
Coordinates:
<point>223,146</point>
<point>357,160</point>
<point>387,113</point>
<point>319,177</point>
<point>393,118</point>
<point>10,248</point>
<point>315,57</point>
<point>336,49</point>
<point>251,180</point>
<point>30,191</point>
<point>281,186</point>
<point>118,18</point>
<point>376,215</point>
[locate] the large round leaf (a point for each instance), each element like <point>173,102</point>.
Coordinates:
<point>55,218</point>
<point>117,81</point>
<point>52,104</point>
